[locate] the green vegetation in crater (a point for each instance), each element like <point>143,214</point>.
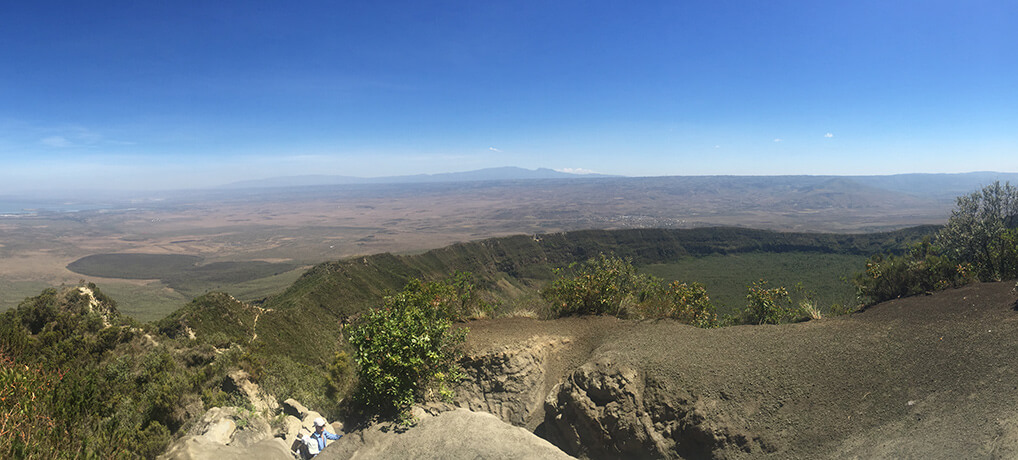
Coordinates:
<point>726,276</point>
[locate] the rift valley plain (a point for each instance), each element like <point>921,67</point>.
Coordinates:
<point>253,242</point>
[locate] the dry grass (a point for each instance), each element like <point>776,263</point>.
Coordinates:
<point>810,308</point>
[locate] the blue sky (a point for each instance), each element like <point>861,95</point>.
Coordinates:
<point>126,95</point>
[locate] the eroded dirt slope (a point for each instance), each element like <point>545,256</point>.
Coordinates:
<point>925,377</point>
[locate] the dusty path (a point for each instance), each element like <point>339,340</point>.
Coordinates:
<point>925,377</point>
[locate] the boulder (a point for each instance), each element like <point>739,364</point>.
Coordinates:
<point>240,382</point>
<point>456,434</point>
<point>220,427</point>
<point>308,423</point>
<point>294,408</point>
<point>220,431</point>
<point>217,425</point>
<point>200,448</point>
<point>289,429</point>
<point>254,430</point>
<point>608,409</point>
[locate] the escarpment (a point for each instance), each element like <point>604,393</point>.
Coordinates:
<point>922,377</point>
<point>511,381</point>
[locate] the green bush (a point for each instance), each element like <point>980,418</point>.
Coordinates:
<point>922,269</point>
<point>26,400</point>
<point>75,383</point>
<point>767,305</point>
<point>685,302</point>
<point>982,232</point>
<point>599,287</point>
<point>610,286</point>
<point>406,349</point>
<point>980,241</point>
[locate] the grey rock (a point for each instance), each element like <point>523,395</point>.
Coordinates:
<point>308,423</point>
<point>607,409</point>
<point>200,448</point>
<point>294,408</point>
<point>240,382</point>
<point>510,382</point>
<point>457,434</point>
<point>254,430</point>
<point>289,429</point>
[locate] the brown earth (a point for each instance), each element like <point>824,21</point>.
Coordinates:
<point>308,226</point>
<point>925,377</point>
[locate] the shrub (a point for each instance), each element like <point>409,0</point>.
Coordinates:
<point>980,241</point>
<point>610,286</point>
<point>981,232</point>
<point>920,270</point>
<point>809,309</point>
<point>406,349</point>
<point>767,305</point>
<point>26,400</point>
<point>599,287</point>
<point>687,303</point>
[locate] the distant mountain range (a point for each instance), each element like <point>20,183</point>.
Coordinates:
<point>941,186</point>
<point>488,174</point>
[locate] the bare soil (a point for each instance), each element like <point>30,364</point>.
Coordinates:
<point>925,377</point>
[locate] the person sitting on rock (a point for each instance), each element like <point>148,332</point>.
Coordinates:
<point>316,441</point>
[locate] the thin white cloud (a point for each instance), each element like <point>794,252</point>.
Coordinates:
<point>56,141</point>
<point>576,171</point>
<point>778,140</point>
<point>717,146</point>
<point>829,135</point>
<point>493,149</point>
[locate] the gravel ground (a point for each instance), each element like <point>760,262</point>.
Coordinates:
<point>925,377</point>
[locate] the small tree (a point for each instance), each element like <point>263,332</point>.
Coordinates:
<point>407,348</point>
<point>690,304</point>
<point>981,232</point>
<point>767,306</point>
<point>920,270</point>
<point>599,287</point>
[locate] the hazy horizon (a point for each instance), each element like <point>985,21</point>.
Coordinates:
<point>127,96</point>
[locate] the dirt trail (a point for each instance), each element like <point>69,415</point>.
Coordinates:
<point>925,377</point>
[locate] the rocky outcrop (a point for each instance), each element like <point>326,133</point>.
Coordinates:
<point>610,410</point>
<point>263,430</point>
<point>240,382</point>
<point>456,434</point>
<point>198,448</point>
<point>510,382</point>
<point>229,432</point>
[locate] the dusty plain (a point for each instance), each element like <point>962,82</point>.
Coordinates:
<point>308,225</point>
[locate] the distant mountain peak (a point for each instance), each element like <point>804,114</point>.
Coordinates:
<point>486,174</point>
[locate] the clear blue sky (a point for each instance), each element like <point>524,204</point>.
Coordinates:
<point>181,94</point>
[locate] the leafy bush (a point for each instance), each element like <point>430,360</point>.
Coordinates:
<point>610,286</point>
<point>599,287</point>
<point>26,398</point>
<point>767,305</point>
<point>407,348</point>
<point>980,241</point>
<point>78,380</point>
<point>688,303</point>
<point>981,232</point>
<point>920,270</point>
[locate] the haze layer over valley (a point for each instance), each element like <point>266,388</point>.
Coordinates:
<point>295,227</point>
